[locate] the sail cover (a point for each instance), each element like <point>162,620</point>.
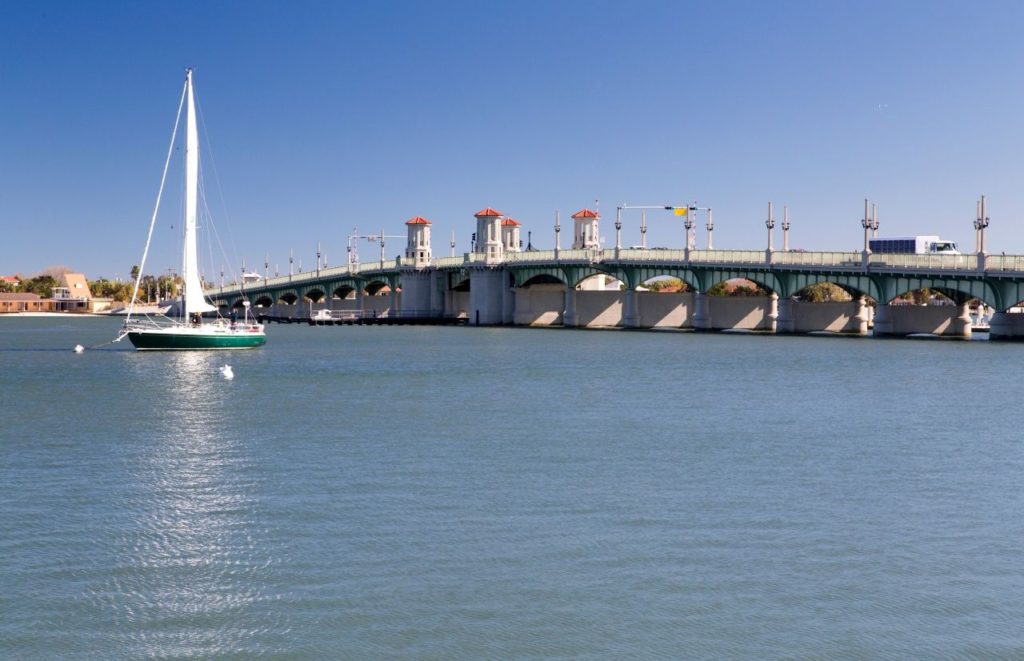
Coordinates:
<point>194,300</point>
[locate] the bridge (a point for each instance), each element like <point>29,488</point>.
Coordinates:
<point>591,286</point>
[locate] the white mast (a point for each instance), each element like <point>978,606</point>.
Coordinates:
<point>194,301</point>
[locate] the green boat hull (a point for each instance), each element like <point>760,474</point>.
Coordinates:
<point>144,341</point>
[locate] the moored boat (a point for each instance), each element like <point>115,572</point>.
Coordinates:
<point>189,331</point>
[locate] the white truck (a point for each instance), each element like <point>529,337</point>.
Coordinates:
<point>913,245</point>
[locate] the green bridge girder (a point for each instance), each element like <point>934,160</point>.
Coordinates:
<point>310,289</point>
<point>1000,290</point>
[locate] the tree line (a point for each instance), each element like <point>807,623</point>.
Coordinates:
<point>151,288</point>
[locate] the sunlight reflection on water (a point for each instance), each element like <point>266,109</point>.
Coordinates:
<point>192,553</point>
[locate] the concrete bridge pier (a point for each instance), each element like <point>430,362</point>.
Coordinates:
<point>450,309</point>
<point>1000,326</point>
<point>786,319</point>
<point>772,318</point>
<point>1006,325</point>
<point>415,292</point>
<point>701,312</point>
<point>963,325</point>
<point>508,303</point>
<point>941,320</point>
<point>630,318</point>
<point>569,317</point>
<point>486,296</point>
<point>437,303</point>
<point>862,317</point>
<point>883,321</point>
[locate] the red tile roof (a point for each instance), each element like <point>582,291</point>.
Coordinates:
<point>488,213</point>
<point>508,222</point>
<point>586,213</point>
<point>418,220</point>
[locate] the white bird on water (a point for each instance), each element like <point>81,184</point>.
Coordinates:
<point>79,348</point>
<point>227,373</point>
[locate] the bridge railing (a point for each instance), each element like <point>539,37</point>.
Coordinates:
<point>647,255</point>
<point>306,276</point>
<point>1004,263</point>
<point>800,258</point>
<point>728,256</point>
<point>372,266</point>
<point>448,262</point>
<point>531,256</point>
<point>927,262</point>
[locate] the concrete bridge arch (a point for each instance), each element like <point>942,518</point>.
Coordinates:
<point>313,294</point>
<point>958,289</point>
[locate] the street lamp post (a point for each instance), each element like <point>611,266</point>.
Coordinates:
<point>980,223</point>
<point>770,224</point>
<point>679,210</point>
<point>867,225</point>
<point>785,228</point>
<point>618,231</point>
<point>558,233</point>
<point>690,238</point>
<point>353,253</point>
<point>711,228</point>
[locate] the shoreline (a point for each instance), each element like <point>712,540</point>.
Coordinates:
<point>65,315</point>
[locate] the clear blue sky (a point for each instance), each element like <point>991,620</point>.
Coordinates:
<point>325,116</point>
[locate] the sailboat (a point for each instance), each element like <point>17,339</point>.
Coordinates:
<point>188,331</point>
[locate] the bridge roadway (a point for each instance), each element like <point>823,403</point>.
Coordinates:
<point>550,288</point>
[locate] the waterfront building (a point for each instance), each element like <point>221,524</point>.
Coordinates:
<point>11,302</point>
<point>72,294</point>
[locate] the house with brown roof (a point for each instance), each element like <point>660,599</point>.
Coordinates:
<point>24,302</point>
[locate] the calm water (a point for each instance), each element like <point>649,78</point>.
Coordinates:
<point>438,493</point>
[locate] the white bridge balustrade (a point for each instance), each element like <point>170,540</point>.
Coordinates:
<point>547,287</point>
<point>926,262</point>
